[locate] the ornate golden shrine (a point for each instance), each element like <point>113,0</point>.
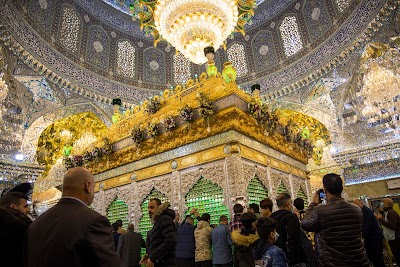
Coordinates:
<point>230,115</point>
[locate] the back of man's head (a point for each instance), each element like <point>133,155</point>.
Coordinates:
<point>131,227</point>
<point>115,227</point>
<point>248,219</point>
<point>119,223</point>
<point>205,217</point>
<point>282,200</point>
<point>299,203</point>
<point>79,183</point>
<point>237,209</point>
<point>223,219</point>
<point>266,204</point>
<point>189,220</point>
<point>254,207</point>
<point>333,184</point>
<point>16,201</point>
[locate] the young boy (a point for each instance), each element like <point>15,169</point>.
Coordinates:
<point>266,254</point>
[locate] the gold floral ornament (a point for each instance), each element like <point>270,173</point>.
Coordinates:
<point>137,135</point>
<point>153,129</point>
<point>153,105</point>
<point>206,109</point>
<point>169,123</point>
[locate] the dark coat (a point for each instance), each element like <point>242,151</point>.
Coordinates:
<point>371,228</point>
<point>161,239</point>
<point>185,242</point>
<point>393,222</point>
<point>244,242</point>
<point>339,227</point>
<point>70,234</point>
<point>290,236</point>
<point>129,248</point>
<point>13,226</point>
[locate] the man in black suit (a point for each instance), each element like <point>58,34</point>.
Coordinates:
<point>70,233</point>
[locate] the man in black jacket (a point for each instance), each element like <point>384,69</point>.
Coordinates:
<point>13,226</point>
<point>339,227</point>
<point>289,231</point>
<point>161,239</point>
<point>372,234</point>
<point>70,233</point>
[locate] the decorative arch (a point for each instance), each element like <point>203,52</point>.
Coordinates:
<point>155,66</point>
<point>70,29</point>
<point>237,55</point>
<point>290,35</point>
<point>126,59</point>
<point>98,47</point>
<point>118,210</point>
<point>301,194</point>
<point>207,197</point>
<point>282,189</point>
<point>317,18</point>
<point>263,49</point>
<point>256,191</point>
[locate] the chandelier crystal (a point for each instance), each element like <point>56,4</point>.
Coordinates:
<point>192,25</point>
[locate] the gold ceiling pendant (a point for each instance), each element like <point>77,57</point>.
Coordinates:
<point>192,25</point>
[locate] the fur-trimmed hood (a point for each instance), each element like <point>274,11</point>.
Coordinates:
<point>244,240</point>
<point>163,209</point>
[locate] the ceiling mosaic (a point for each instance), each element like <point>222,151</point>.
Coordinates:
<point>86,43</point>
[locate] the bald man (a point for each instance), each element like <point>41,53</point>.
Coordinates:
<point>70,233</point>
<point>391,220</point>
<point>372,234</point>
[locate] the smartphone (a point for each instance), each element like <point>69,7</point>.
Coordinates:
<point>321,195</point>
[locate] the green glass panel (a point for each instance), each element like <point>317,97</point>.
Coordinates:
<point>256,191</point>
<point>207,197</point>
<point>145,223</point>
<point>303,196</point>
<point>118,210</point>
<point>281,189</point>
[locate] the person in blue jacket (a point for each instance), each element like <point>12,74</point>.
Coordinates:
<point>265,253</point>
<point>185,244</point>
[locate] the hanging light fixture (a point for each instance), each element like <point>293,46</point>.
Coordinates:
<point>192,25</point>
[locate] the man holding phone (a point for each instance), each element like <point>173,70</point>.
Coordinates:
<point>339,225</point>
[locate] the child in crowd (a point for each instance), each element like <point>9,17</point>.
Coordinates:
<point>244,241</point>
<point>266,254</point>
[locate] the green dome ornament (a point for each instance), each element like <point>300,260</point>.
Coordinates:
<point>211,69</point>
<point>229,72</point>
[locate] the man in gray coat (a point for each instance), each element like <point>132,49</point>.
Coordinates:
<point>129,246</point>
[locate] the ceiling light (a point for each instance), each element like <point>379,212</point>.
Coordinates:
<point>192,25</point>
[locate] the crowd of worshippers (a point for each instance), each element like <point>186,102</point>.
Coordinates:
<point>330,232</point>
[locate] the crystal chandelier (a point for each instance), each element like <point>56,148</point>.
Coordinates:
<point>192,25</point>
